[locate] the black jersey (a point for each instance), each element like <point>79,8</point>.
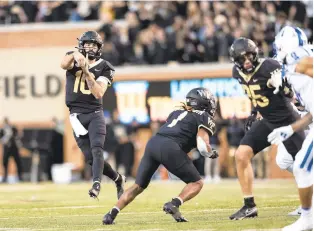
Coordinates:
<point>273,107</point>
<point>182,126</point>
<point>79,98</point>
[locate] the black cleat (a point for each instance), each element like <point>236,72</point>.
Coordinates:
<point>173,210</point>
<point>120,185</point>
<point>108,219</point>
<point>95,190</point>
<point>244,212</point>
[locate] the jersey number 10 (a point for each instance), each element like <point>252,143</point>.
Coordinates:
<point>80,78</point>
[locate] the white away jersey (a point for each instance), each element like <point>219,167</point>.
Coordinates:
<point>294,57</point>
<point>302,84</point>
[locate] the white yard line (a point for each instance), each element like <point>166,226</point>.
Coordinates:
<point>35,229</point>
<point>107,229</point>
<point>61,207</point>
<point>123,213</point>
<point>102,206</point>
<point>261,230</point>
<point>16,229</point>
<point>150,229</point>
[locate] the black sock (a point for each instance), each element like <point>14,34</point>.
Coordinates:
<point>97,163</point>
<point>109,172</point>
<point>176,202</point>
<point>96,169</point>
<point>114,212</point>
<point>249,202</point>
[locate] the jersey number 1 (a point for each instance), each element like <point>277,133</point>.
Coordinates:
<point>175,121</point>
<point>79,78</point>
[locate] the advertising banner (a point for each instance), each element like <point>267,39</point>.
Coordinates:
<point>31,84</point>
<point>146,101</point>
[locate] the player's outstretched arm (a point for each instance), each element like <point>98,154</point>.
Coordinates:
<point>283,133</point>
<point>302,123</point>
<point>305,66</point>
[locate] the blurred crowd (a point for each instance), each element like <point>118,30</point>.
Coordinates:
<point>170,31</point>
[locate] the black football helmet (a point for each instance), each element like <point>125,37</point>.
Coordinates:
<point>202,99</point>
<point>93,37</point>
<point>239,49</point>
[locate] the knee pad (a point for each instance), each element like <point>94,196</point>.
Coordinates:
<point>98,153</point>
<point>303,166</point>
<point>303,177</point>
<point>283,159</point>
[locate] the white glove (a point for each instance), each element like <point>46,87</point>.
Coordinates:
<point>280,134</point>
<point>276,80</point>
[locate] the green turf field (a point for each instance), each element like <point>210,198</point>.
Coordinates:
<point>67,207</point>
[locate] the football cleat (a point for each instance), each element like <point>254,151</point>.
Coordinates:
<point>244,212</point>
<point>304,223</point>
<point>95,190</point>
<point>296,212</point>
<point>120,185</point>
<point>173,210</point>
<point>108,219</point>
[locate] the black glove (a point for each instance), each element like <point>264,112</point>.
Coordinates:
<point>213,154</point>
<point>286,89</point>
<point>250,120</point>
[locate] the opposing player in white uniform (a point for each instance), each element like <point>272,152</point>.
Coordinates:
<point>297,58</point>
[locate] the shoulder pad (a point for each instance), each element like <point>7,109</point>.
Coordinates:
<point>270,61</point>
<point>269,65</point>
<point>109,65</point>
<point>298,54</point>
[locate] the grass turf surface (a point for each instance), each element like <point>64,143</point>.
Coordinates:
<point>67,207</point>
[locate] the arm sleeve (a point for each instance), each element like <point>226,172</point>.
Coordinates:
<point>107,73</point>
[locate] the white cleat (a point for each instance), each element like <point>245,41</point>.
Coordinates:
<point>296,212</point>
<point>302,224</point>
<point>208,179</point>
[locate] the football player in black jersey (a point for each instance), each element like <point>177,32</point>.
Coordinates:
<point>254,75</point>
<point>87,79</point>
<point>184,129</point>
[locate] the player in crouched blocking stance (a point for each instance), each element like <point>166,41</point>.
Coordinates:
<point>87,79</point>
<point>184,129</point>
